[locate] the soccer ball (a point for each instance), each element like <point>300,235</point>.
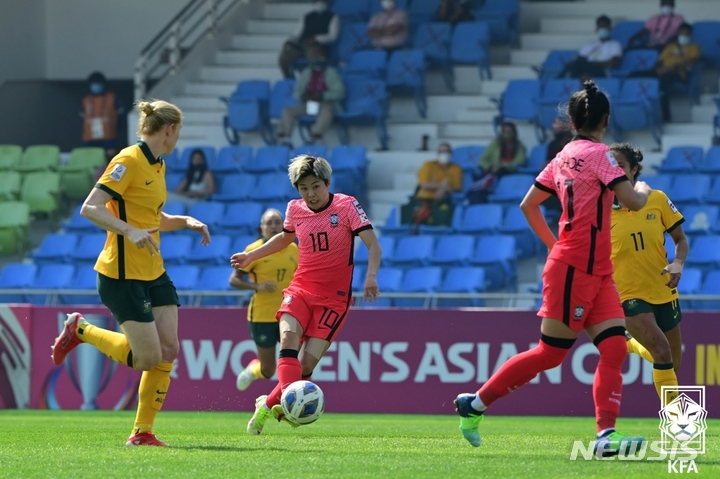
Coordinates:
<point>303,402</point>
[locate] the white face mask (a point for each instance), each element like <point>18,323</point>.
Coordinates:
<point>388,4</point>
<point>444,157</point>
<point>666,10</point>
<point>684,40</point>
<point>320,6</point>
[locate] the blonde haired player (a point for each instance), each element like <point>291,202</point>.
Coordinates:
<point>271,275</point>
<point>647,284</point>
<point>127,201</point>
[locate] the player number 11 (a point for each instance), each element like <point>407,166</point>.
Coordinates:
<point>635,237</point>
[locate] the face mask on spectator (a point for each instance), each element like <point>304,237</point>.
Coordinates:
<point>508,136</point>
<point>388,4</point>
<point>603,33</point>
<point>444,157</point>
<point>683,39</point>
<point>318,64</point>
<point>96,88</point>
<point>666,10</point>
<point>320,6</point>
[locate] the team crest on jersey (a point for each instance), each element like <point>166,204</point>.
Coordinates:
<point>358,208</point>
<point>672,206</point>
<point>334,220</point>
<point>147,306</point>
<point>611,159</point>
<point>632,303</point>
<point>579,311</point>
<point>651,216</point>
<point>118,172</point>
<point>287,299</point>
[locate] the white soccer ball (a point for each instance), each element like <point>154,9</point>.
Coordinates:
<point>303,402</point>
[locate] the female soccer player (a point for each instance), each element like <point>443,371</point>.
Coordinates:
<point>270,277</point>
<point>649,296</point>
<point>127,201</point>
<point>315,305</point>
<point>578,292</point>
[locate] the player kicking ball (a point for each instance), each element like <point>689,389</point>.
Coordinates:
<point>315,304</point>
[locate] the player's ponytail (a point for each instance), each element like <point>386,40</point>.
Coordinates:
<point>588,107</point>
<point>633,155</point>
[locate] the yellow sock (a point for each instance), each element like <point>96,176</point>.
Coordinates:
<point>634,346</point>
<point>111,344</point>
<point>153,388</point>
<point>664,375</point>
<point>256,369</point>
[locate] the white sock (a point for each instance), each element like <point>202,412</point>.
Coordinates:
<point>477,404</point>
<point>605,432</point>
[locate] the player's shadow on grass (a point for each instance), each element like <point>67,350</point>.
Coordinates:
<point>239,448</point>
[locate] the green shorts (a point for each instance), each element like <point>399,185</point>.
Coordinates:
<point>667,315</point>
<point>133,299</point>
<point>265,335</point>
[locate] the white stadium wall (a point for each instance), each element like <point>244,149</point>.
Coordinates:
<point>22,40</point>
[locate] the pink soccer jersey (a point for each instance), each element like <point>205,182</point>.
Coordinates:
<point>326,242</point>
<point>582,175</point>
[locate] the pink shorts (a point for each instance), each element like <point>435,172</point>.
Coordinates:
<point>576,298</point>
<point>320,317</point>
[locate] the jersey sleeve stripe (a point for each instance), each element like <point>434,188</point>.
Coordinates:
<point>108,190</point>
<point>362,228</point>
<point>677,223</point>
<point>617,180</point>
<point>540,186</point>
<point>288,231</point>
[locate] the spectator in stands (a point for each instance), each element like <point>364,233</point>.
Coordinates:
<point>199,182</point>
<point>596,57</point>
<point>562,134</point>
<point>674,64</point>
<point>658,29</point>
<point>314,34</point>
<point>438,179</point>
<point>388,28</point>
<point>100,111</point>
<point>501,157</point>
<point>320,89</point>
<point>455,11</point>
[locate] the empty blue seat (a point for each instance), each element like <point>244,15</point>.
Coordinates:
<point>515,223</point>
<point>389,281</point>
<point>217,252</point>
<point>536,160</point>
<point>55,248</point>
<point>209,212</point>
<point>682,159</point>
<point>711,285</point>
<point>623,31</point>
<point>406,75</point>
<point>235,187</point>
<point>497,254</point>
<point>690,283</point>
<point>85,278</point>
<point>184,278</point>
<point>358,280</point>
<point>556,93</point>
<point>312,150</point>
<point>699,219</point>
<point>470,44</point>
<point>434,41</point>
<point>609,86</point>
<point>511,188</point>
<point>242,218</point>
<point>366,64</point>
<point>638,107</point>
<point>658,182</point>
<point>16,276</point>
<point>173,180</point>
<point>502,17</point>
<point>248,111</point>
<point>453,250</point>
<point>670,246</point>
<point>713,195</point>
<point>482,218</point>
<point>554,63</point>
<point>412,251</point>
<point>422,11</point>
<point>78,223</point>
<point>89,248</point>
<point>392,226</point>
<point>273,187</point>
<point>468,279</point>
<point>633,61</point>
<point>705,253</point>
<point>468,156</point>
<point>707,35</point>
<point>387,245</point>
<point>281,97</point>
<point>174,208</point>
<point>243,241</point>
<point>518,101</point>
<point>348,158</point>
<point>711,163</point>
<point>419,280</point>
<point>215,278</point>
<point>269,159</point>
<point>50,276</point>
<point>231,159</point>
<point>351,10</point>
<point>690,188</point>
<point>353,37</point>
<point>365,104</point>
<point>176,248</point>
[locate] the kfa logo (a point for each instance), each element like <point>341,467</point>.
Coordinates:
<point>579,311</point>
<point>334,220</point>
<point>683,424</point>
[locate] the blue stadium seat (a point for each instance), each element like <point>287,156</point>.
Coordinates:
<point>412,251</point>
<point>184,278</point>
<point>682,159</point>
<point>623,31</point>
<point>78,223</point>
<point>241,218</point>
<point>699,219</point>
<point>705,253</point>
<point>690,283</point>
<point>419,280</point>
<point>658,182</point>
<point>515,223</point>
<point>365,104</point>
<point>502,17</point>
<point>389,281</point>
<point>437,230</point>
<point>714,193</point>
<point>171,158</point>
<point>217,252</point>
<point>174,208</point>
<point>55,248</point>
<point>215,278</point>
<point>248,111</point>
<point>422,11</point>
<point>481,218</point>
<point>406,75</point>
<point>469,279</point>
<point>209,212</point>
<point>497,254</point>
<point>231,159</point>
<point>518,102</point>
<point>50,276</point>
<point>434,41</point>
<point>366,64</point>
<point>468,157</point>
<point>689,189</point>
<point>235,187</point>
<point>85,278</point>
<point>16,276</point>
<point>711,285</point>
<point>183,161</point>
<point>352,10</point>
<point>634,61</point>
<point>269,159</point>
<point>711,163</point>
<point>453,250</point>
<point>393,227</point>
<point>554,63</point>
<point>358,280</point>
<point>282,96</point>
<point>387,245</point>
<point>273,187</point>
<point>176,248</point>
<point>707,35</point>
<point>536,160</point>
<point>511,189</point>
<point>353,37</point>
<point>89,248</point>
<point>173,180</point>
<point>312,150</point>
<point>348,158</point>
<point>556,92</point>
<point>470,44</point>
<point>670,246</point>
<point>638,108</point>
<point>243,241</point>
<point>609,86</point>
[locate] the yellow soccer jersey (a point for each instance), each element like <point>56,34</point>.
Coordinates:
<point>278,267</point>
<point>638,250</point>
<point>136,181</point>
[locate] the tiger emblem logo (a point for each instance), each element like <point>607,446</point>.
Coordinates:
<point>683,420</point>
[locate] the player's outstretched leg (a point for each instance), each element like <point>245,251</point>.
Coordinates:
<point>251,372</point>
<point>469,418</point>
<point>262,412</point>
<point>68,339</point>
<point>278,414</point>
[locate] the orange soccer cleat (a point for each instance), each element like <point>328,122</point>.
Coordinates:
<point>144,439</point>
<point>68,339</point>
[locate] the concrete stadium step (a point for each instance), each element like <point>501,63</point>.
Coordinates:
<point>404,180</point>
<point>534,57</point>
<point>285,11</point>
<point>703,113</point>
<point>214,89</point>
<point>379,212</point>
<point>265,26</point>
<point>271,43</point>
<point>466,130</point>
<point>687,134</point>
<point>195,117</point>
<point>383,165</point>
<point>476,115</point>
<point>203,103</point>
<point>467,80</point>
<point>512,72</point>
<point>579,25</point>
<point>440,108</point>
<point>395,197</point>
<point>245,57</point>
<point>235,74</point>
<point>570,41</point>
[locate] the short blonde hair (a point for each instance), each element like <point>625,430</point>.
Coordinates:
<point>269,212</point>
<point>155,114</point>
<point>303,166</point>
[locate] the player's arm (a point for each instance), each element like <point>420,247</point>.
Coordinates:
<point>178,222</point>
<point>682,248</point>
<point>530,206</point>
<point>238,281</point>
<point>633,198</point>
<point>374,256</point>
<point>273,245</point>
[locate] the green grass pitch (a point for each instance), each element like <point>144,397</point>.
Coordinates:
<point>80,444</point>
